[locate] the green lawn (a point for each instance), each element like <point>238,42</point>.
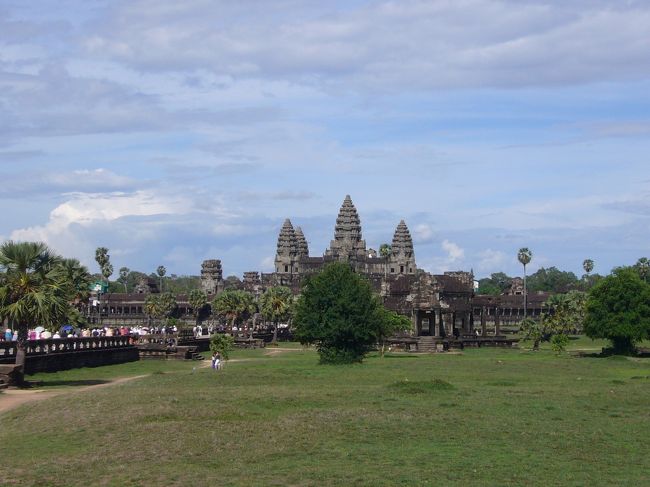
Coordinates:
<point>484,417</point>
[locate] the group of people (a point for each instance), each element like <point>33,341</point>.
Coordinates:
<point>39,333</point>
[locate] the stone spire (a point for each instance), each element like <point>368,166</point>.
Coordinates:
<point>347,233</point>
<point>287,239</point>
<point>302,249</point>
<point>287,249</point>
<point>402,241</point>
<point>401,257</point>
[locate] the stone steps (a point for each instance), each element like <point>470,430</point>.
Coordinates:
<point>426,344</point>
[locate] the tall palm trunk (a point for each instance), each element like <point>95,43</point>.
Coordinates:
<point>275,332</point>
<point>525,295</point>
<point>21,353</point>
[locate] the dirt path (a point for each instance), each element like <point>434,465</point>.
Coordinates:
<point>12,398</point>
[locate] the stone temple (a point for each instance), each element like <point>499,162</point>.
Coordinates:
<point>438,305</point>
<point>442,307</point>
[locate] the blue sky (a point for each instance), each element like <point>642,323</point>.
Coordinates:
<point>172,132</point>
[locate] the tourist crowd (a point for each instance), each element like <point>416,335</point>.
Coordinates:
<point>40,333</point>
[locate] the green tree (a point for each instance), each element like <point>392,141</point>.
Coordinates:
<point>276,304</point>
<point>566,312</point>
<point>151,307</point>
<point>167,305</point>
<point>643,268</point>
<point>197,300</point>
<point>161,271</point>
<point>338,312</point>
<point>588,266</point>
<point>552,280</point>
<point>233,305</point>
<point>124,277</point>
<point>496,284</point>
<point>223,344</point>
<point>618,309</point>
<point>532,330</point>
<point>390,323</point>
<point>33,291</point>
<point>559,343</point>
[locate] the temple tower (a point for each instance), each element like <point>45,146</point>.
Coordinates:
<point>402,258</point>
<point>285,257</point>
<point>211,277</point>
<point>302,249</point>
<point>348,243</point>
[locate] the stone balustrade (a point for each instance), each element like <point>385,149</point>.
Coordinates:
<point>64,345</point>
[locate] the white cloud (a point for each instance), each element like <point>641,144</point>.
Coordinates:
<point>454,252</point>
<point>491,261</point>
<point>423,233</point>
<point>385,45</point>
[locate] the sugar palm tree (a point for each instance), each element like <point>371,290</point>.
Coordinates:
<point>588,266</point>
<point>197,300</point>
<point>124,275</point>
<point>276,305</point>
<point>161,271</point>
<point>102,258</point>
<point>33,291</point>
<point>232,304</point>
<point>525,256</point>
<point>384,252</point>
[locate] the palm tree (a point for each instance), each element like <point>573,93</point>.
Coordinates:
<point>385,251</point>
<point>276,305</point>
<point>124,275</point>
<point>161,271</point>
<point>525,256</point>
<point>102,258</point>
<point>588,266</point>
<point>151,307</point>
<point>79,279</point>
<point>33,291</point>
<point>232,304</point>
<point>197,300</point>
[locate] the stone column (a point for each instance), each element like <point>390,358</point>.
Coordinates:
<point>483,322</point>
<point>436,322</point>
<point>497,323</point>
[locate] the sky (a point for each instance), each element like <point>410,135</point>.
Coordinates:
<point>173,132</point>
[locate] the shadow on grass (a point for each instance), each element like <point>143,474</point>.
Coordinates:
<point>70,383</point>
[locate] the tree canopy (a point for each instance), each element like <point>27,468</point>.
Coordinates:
<point>276,304</point>
<point>338,312</point>
<point>618,309</point>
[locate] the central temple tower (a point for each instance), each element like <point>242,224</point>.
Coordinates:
<point>348,243</point>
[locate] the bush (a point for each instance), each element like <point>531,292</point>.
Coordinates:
<point>223,344</point>
<point>559,343</point>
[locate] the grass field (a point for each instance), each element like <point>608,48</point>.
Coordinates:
<point>484,417</point>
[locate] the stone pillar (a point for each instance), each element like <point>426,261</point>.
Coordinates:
<point>435,322</point>
<point>497,323</point>
<point>483,322</point>
<point>451,323</point>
